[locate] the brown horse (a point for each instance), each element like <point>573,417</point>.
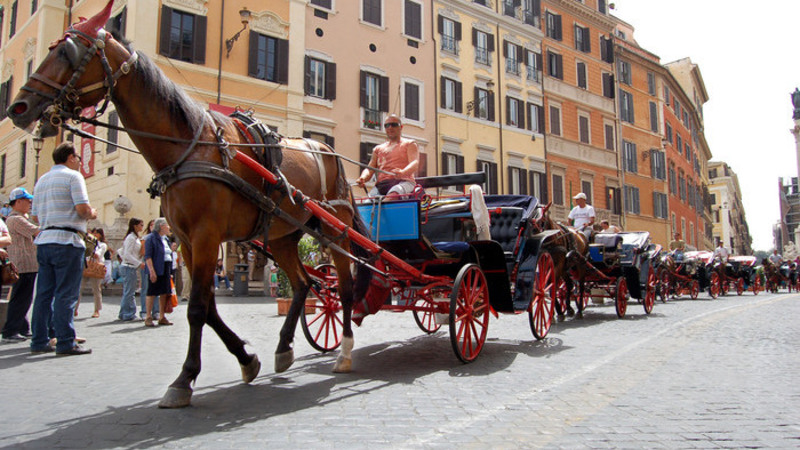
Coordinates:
<point>569,250</point>
<point>173,132</point>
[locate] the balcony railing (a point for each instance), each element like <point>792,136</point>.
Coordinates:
<point>481,56</point>
<point>533,74</point>
<point>512,66</point>
<point>450,44</point>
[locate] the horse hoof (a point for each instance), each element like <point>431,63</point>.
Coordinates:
<point>176,398</point>
<point>250,371</point>
<point>343,365</point>
<point>283,361</point>
<point>570,312</point>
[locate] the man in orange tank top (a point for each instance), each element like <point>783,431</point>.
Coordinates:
<point>398,156</point>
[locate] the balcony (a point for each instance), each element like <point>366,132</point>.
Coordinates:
<point>512,66</point>
<point>482,56</point>
<point>533,74</point>
<point>449,44</point>
<point>372,119</point>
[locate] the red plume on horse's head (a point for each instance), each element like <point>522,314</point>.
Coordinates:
<point>94,23</point>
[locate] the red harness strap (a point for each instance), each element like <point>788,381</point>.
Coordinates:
<point>243,129</point>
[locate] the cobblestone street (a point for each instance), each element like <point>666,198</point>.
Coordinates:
<point>694,374</point>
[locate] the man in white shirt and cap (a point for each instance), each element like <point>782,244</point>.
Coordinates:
<point>582,216</point>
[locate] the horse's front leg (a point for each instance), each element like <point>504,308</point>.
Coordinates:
<point>249,363</point>
<point>344,361</point>
<point>285,252</point>
<point>179,393</point>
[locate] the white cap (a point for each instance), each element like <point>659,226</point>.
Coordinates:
<point>580,195</point>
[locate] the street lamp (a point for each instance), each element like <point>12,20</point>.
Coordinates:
<point>38,143</point>
<point>245,14</point>
<point>471,105</point>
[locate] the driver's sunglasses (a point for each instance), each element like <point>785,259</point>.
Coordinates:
<point>391,124</point>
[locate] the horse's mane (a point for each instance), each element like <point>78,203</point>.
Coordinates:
<point>180,106</point>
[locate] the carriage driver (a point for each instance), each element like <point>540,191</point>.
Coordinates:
<point>776,258</point>
<point>397,155</point>
<point>677,247</point>
<point>582,216</point>
<point>721,252</point>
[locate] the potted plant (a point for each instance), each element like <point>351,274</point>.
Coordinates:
<point>308,250</point>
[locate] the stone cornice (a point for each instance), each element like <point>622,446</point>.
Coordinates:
<point>269,23</point>
<point>190,6</point>
<point>581,11</point>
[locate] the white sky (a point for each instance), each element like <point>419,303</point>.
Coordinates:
<point>749,57</point>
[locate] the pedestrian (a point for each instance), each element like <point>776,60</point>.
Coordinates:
<point>5,211</point>
<point>96,284</point>
<point>158,258</point>
<point>186,277</point>
<point>251,263</point>
<point>131,263</point>
<point>220,275</point>
<point>146,276</point>
<point>22,252</point>
<point>62,207</point>
<point>273,278</point>
<point>397,156</point>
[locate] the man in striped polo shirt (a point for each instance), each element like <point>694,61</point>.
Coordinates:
<point>61,205</point>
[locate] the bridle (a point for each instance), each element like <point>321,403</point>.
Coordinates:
<point>80,49</point>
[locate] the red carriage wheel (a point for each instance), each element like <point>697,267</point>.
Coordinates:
<point>426,321</point>
<point>714,285</point>
<point>739,286</point>
<point>540,311</point>
<point>663,286</point>
<point>650,292</point>
<point>469,313</point>
<point>724,286</point>
<point>323,328</point>
<point>695,289</point>
<point>561,299</point>
<point>756,284</point>
<point>621,297</point>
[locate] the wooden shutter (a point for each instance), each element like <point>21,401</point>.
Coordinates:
<point>490,108</point>
<point>508,110</point>
<point>493,178</point>
<point>365,152</point>
<point>252,57</point>
<point>439,24</point>
<point>476,100</point>
<point>459,97</point>
<point>582,75</point>
<point>457,32</point>
<point>384,94</point>
<point>557,27</point>
<point>474,37</point>
<point>199,40</point>
<point>490,42</point>
<point>362,101</point>
<point>166,23</point>
<point>307,75</point>
<point>444,164</point>
<point>523,179</point>
<point>442,92</point>
<point>330,81</point>
<point>282,60</point>
<point>540,110</point>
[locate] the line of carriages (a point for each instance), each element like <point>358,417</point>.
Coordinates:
<point>478,255</point>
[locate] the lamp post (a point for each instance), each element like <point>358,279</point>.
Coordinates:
<point>245,15</point>
<point>38,143</point>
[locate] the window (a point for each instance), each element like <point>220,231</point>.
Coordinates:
<point>586,188</point>
<point>509,7</point>
<point>613,200</point>
<point>411,101</point>
<point>669,133</point>
<point>555,121</point>
<point>672,180</point>
<point>660,209</point>
<point>269,58</point>
<point>483,104</point>
<point>517,181</point>
<point>625,72</point>
<point>658,164</point>
<point>682,187</point>
<point>23,158</point>
<point>651,83</point>
<point>629,160</point>
<point>490,169</point>
<point>601,6</point>
<point>666,95</point>
<point>515,112</point>
<point>451,34</point>
<point>113,122</point>
<point>413,20</point>
<point>452,164</point>
<point>538,182</point>
<point>581,70</point>
<point>513,54</point>
<point>582,40</point>
<point>679,142</point>
<point>554,65</point>
<point>687,152</point>
<point>322,3</point>
<point>451,95</point>
<point>677,107</point>
<point>558,189</point>
<point>484,45</point>
<point>34,6</point>
<point>632,199</point>
<point>608,85</point>
<point>531,12</point>
<point>536,118</point>
<point>610,137</point>
<point>183,36</point>
<point>626,106</point>
<point>653,117</point>
<point>583,129</point>
<point>12,30</point>
<point>606,49</point>
<point>5,96</point>
<point>553,23</point>
<point>320,78</point>
<point>374,99</point>
<point>533,62</point>
<point>371,10</point>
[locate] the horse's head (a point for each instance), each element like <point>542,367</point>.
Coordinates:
<point>75,74</point>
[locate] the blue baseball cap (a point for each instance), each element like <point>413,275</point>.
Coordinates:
<point>19,193</point>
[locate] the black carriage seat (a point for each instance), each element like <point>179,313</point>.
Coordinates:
<point>606,246</point>
<point>505,228</point>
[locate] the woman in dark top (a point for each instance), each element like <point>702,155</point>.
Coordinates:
<point>158,258</point>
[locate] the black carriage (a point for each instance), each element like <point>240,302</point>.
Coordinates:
<point>678,275</point>
<point>620,266</point>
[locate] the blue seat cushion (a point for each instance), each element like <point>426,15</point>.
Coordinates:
<point>451,247</point>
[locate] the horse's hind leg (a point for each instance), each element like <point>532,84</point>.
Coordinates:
<point>345,360</point>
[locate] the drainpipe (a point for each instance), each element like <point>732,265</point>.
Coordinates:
<point>219,62</point>
<point>618,126</point>
<point>500,111</point>
<point>436,152</point>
